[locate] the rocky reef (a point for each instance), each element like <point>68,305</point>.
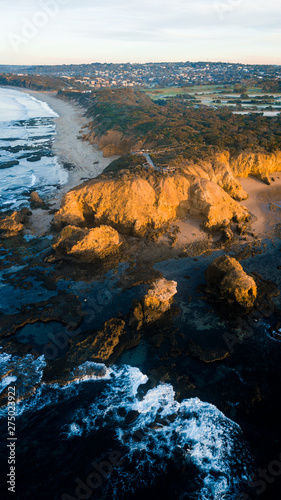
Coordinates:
<point>14,224</point>
<point>226,278</point>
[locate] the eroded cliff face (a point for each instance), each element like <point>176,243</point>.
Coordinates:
<point>132,203</point>
<point>260,165</point>
<point>221,170</point>
<point>113,142</point>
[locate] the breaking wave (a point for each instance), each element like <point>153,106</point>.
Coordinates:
<point>153,429</point>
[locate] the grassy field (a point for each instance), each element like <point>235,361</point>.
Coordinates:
<point>215,89</point>
<point>173,91</point>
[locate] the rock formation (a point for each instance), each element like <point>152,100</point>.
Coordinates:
<point>101,345</point>
<point>156,302</point>
<point>217,171</point>
<point>226,278</point>
<point>36,201</point>
<point>14,224</point>
<point>87,244</point>
<point>134,202</point>
<point>260,165</point>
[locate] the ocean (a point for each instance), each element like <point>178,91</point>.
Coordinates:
<point>106,434</point>
<point>27,163</point>
<point>100,432</point>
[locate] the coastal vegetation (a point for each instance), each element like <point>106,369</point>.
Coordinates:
<point>172,128</point>
<point>33,82</point>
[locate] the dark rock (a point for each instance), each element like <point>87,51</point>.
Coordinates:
<point>9,164</point>
<point>226,278</point>
<point>13,224</point>
<point>36,201</point>
<point>226,235</point>
<point>241,228</point>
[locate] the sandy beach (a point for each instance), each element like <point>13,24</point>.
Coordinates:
<point>87,160</point>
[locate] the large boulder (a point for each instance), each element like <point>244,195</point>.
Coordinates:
<point>14,224</point>
<point>87,244</point>
<point>156,302</point>
<point>214,205</point>
<point>226,278</point>
<point>36,201</point>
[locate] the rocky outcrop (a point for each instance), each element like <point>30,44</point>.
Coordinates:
<point>102,344</point>
<point>107,339</point>
<point>87,244</point>
<point>132,203</point>
<point>36,201</point>
<point>226,278</point>
<point>14,224</point>
<point>135,201</point>
<point>219,172</point>
<point>211,203</point>
<point>156,302</point>
<point>260,165</point>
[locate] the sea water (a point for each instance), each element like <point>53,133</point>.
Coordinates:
<point>98,411</point>
<point>27,163</point>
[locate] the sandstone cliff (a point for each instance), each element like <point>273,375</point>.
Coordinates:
<point>113,142</point>
<point>131,203</point>
<point>260,165</point>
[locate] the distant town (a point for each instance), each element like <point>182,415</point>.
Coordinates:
<point>154,75</point>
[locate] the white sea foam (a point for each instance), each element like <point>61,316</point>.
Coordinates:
<point>26,128</point>
<point>24,373</point>
<point>192,431</point>
<point>17,106</point>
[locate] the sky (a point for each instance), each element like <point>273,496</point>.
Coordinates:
<point>85,31</point>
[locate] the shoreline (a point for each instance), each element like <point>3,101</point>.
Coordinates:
<point>87,160</point>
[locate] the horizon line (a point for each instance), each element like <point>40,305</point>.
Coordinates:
<point>143,63</point>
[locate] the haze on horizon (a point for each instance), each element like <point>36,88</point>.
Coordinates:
<point>65,31</point>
